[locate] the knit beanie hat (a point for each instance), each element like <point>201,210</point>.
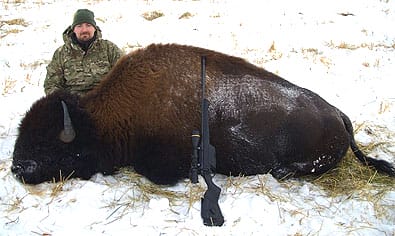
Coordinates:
<point>83,16</point>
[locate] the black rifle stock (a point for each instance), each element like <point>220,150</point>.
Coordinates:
<point>204,163</point>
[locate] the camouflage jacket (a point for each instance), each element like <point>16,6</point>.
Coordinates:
<point>78,71</point>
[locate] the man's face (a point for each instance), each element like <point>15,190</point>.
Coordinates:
<point>84,31</point>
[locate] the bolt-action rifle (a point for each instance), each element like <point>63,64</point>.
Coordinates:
<point>204,162</point>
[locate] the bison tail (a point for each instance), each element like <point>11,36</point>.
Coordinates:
<point>380,165</point>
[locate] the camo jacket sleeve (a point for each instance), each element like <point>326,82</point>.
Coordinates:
<point>114,53</point>
<point>74,70</point>
<point>54,79</point>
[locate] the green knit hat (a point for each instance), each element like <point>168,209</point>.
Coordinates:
<point>83,16</point>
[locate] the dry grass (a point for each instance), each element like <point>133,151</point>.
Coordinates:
<point>12,23</point>
<point>385,106</point>
<point>263,189</point>
<point>350,176</point>
<point>366,64</point>
<point>17,21</point>
<point>186,15</point>
<point>148,190</point>
<point>8,85</point>
<point>14,1</point>
<point>353,180</point>
<point>150,16</point>
<point>313,51</point>
<point>58,186</point>
<point>349,46</point>
<point>16,204</point>
<point>140,191</point>
<point>275,54</point>
<point>326,61</point>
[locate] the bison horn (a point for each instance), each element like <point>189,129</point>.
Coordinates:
<point>67,134</point>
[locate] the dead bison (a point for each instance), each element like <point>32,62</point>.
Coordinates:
<point>144,111</point>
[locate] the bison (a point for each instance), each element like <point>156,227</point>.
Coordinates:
<point>143,112</point>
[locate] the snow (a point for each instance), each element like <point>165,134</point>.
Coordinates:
<point>343,50</point>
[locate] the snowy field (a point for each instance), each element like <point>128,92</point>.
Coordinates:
<point>343,50</point>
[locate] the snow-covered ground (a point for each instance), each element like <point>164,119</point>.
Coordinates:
<point>343,50</point>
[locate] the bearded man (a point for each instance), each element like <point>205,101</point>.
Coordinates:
<point>83,60</point>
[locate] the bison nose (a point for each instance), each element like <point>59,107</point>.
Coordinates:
<point>21,168</point>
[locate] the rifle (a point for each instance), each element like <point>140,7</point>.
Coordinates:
<point>204,163</point>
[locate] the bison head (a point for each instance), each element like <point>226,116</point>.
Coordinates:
<point>56,139</point>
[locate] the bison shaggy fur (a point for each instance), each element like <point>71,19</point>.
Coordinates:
<point>143,112</point>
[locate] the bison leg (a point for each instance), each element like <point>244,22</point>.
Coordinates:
<point>162,161</point>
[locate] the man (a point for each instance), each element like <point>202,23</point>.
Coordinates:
<point>83,60</point>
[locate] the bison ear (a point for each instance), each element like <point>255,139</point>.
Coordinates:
<point>67,135</point>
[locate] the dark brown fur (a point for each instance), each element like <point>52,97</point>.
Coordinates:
<point>144,111</point>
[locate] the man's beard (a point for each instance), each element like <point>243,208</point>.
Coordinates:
<point>83,41</point>
<point>85,37</point>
